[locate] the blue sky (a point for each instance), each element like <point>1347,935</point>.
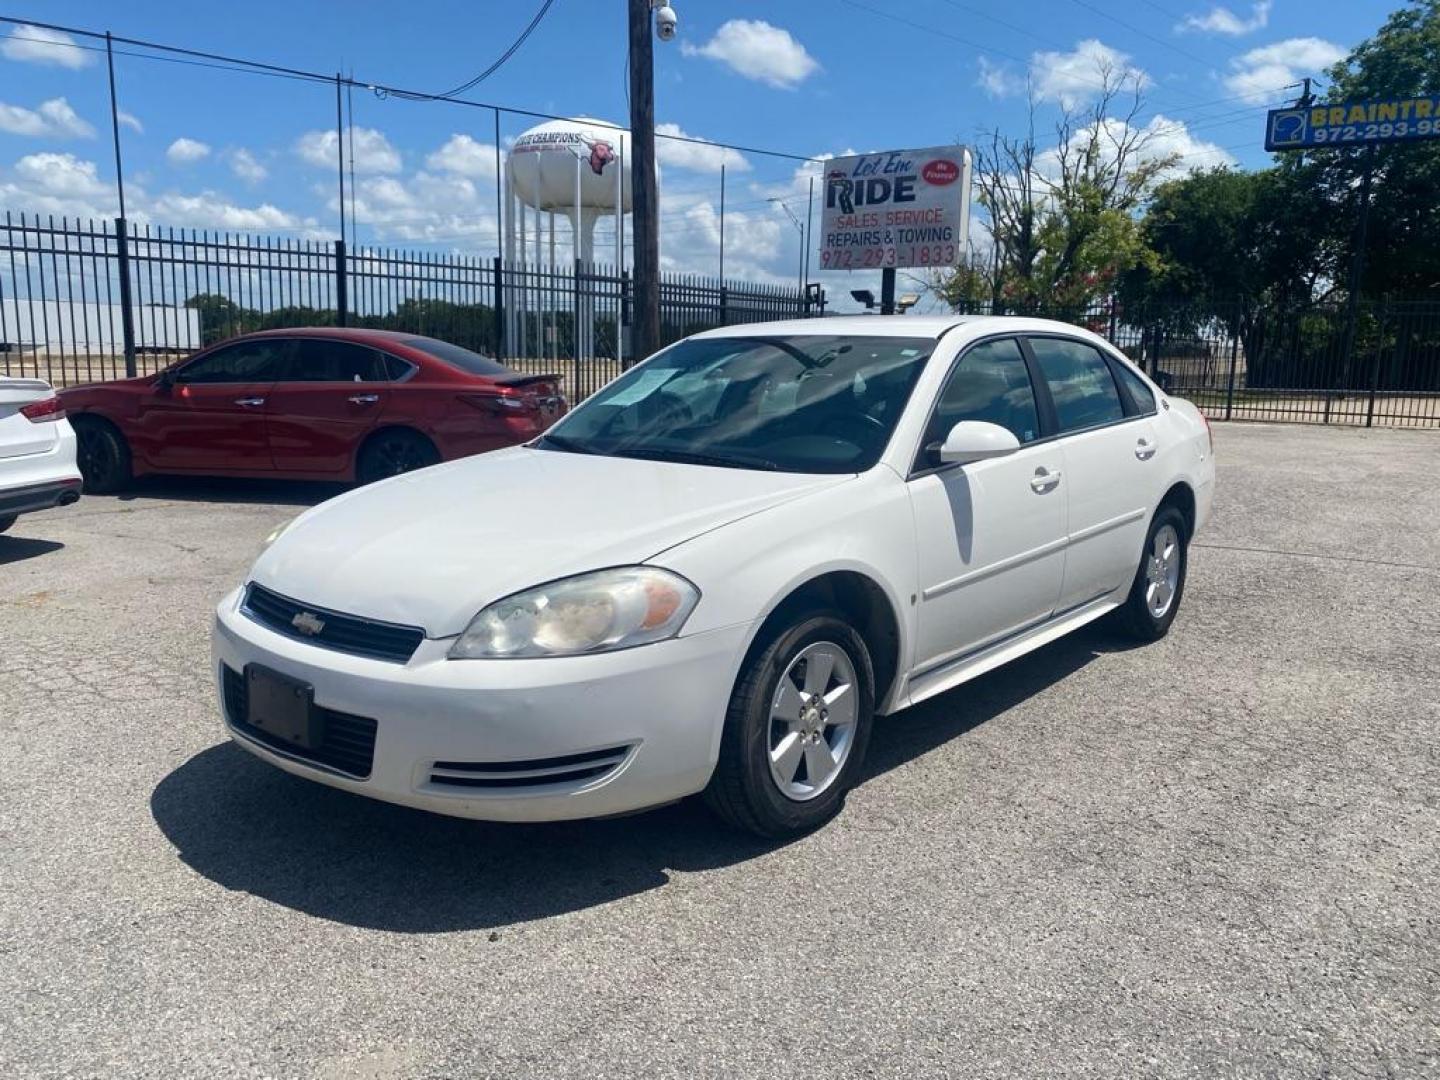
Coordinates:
<point>213,148</point>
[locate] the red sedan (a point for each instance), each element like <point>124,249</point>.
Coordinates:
<point>311,404</point>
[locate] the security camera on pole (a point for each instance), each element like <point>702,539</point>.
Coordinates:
<point>642,164</point>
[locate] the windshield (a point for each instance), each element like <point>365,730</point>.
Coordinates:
<point>455,356</point>
<point>805,403</point>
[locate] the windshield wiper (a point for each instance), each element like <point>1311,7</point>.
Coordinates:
<point>568,445</point>
<point>691,457</point>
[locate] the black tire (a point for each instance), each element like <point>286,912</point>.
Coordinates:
<point>393,452</point>
<point>743,791</point>
<point>103,456</point>
<point>1136,618</point>
<point>7,520</point>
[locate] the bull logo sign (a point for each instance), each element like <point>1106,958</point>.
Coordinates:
<point>602,153</point>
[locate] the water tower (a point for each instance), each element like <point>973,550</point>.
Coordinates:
<point>576,169</point>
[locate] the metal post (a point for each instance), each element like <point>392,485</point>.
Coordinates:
<point>809,239</point>
<point>1375,365</point>
<point>499,213</point>
<point>499,268</point>
<point>115,129</point>
<point>1234,362</point>
<point>645,195</point>
<point>887,291</point>
<point>342,286</point>
<point>1357,265</point>
<point>340,152</point>
<point>722,221</point>
<point>127,310</point>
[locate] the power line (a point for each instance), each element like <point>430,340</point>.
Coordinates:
<point>506,55</point>
<point>381,90</point>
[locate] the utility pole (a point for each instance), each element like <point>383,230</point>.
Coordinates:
<point>644,195</point>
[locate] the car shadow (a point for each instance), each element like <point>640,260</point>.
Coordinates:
<point>231,490</point>
<point>252,828</point>
<point>15,549</point>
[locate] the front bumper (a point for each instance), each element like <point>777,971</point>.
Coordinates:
<point>656,711</point>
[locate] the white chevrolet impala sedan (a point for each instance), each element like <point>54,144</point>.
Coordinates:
<point>714,575</point>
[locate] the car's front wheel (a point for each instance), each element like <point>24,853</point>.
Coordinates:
<point>796,730</point>
<point>1159,582</point>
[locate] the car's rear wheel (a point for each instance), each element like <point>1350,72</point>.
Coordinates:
<point>797,729</point>
<point>102,454</point>
<point>391,453</point>
<point>7,521</point>
<point>1160,580</point>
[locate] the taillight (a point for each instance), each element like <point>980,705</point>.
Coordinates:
<point>498,403</point>
<point>1209,432</point>
<point>40,412</point>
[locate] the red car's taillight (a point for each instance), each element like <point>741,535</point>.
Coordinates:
<point>39,412</point>
<point>500,403</point>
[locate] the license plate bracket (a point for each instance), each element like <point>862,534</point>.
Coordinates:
<point>283,707</point>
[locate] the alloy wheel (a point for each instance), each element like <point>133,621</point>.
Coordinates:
<point>812,721</point>
<point>1162,571</point>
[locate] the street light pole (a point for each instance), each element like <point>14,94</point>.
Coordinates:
<point>644,195</point>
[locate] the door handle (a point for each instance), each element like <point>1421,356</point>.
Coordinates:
<point>1144,449</point>
<point>250,402</point>
<point>1045,479</point>
<point>364,399</point>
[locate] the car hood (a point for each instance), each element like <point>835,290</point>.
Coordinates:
<point>432,548</point>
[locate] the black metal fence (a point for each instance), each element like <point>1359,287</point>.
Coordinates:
<point>87,301</point>
<point>82,301</point>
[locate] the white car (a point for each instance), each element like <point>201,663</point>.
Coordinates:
<point>37,450</point>
<point>715,573</point>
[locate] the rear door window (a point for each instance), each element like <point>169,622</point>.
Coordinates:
<point>1080,383</point>
<point>319,360</point>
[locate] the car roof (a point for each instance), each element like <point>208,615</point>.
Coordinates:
<point>910,326</point>
<point>344,333</point>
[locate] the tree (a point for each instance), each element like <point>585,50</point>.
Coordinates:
<point>1062,220</point>
<point>1401,60</point>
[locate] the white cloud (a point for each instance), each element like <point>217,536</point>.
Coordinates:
<point>212,210</point>
<point>1076,77</point>
<point>243,164</point>
<point>425,208</point>
<point>185,151</point>
<point>131,121</point>
<point>1221,20</point>
<point>696,156</point>
<point>35,45</point>
<point>1260,75</point>
<point>60,174</point>
<point>372,151</point>
<point>998,81</point>
<point>758,51</point>
<point>53,119</point>
<point>464,156</point>
<point>1159,138</point>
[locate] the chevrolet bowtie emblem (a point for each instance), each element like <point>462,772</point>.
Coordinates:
<point>308,623</point>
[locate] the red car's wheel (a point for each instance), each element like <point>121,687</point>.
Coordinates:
<point>391,453</point>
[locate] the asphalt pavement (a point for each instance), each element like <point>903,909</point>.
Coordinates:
<point>1216,856</point>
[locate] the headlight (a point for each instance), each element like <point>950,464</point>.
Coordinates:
<point>597,612</point>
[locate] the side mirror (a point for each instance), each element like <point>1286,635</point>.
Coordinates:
<point>977,440</point>
<point>165,380</point>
